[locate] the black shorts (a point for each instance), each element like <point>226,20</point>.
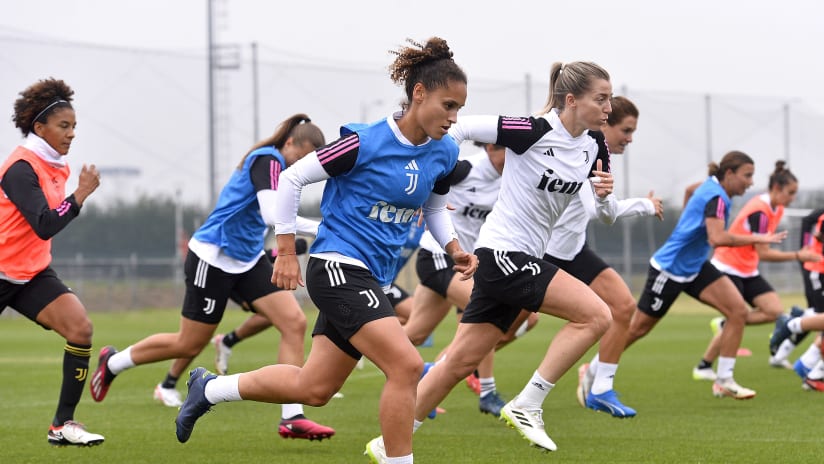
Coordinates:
<point>31,297</point>
<point>396,294</point>
<point>208,288</point>
<point>660,292</point>
<point>505,283</point>
<point>585,266</point>
<point>435,270</point>
<point>750,287</point>
<point>347,297</point>
<point>814,290</point>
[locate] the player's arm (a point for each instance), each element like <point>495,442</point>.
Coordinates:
<point>717,234</point>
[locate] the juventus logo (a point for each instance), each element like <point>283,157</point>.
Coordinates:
<point>373,301</point>
<point>657,303</point>
<point>210,306</point>
<point>532,267</point>
<point>412,176</point>
<point>81,373</point>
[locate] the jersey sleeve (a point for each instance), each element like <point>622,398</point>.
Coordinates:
<point>603,152</point>
<point>459,173</point>
<point>757,222</point>
<point>22,187</point>
<point>715,208</point>
<point>339,156</point>
<point>265,173</point>
<point>518,134</point>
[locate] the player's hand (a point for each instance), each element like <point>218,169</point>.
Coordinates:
<point>87,183</point>
<point>286,273</point>
<point>776,237</point>
<point>602,183</point>
<point>465,263</point>
<point>658,204</point>
<point>806,254</point>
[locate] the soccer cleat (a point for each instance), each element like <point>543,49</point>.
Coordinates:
<point>103,377</point>
<point>728,387</point>
<point>301,427</point>
<point>717,325</point>
<point>491,403</point>
<point>73,433</point>
<point>474,383</point>
<point>609,402</point>
<point>780,333</point>
<point>584,384</point>
<point>376,451</point>
<point>529,424</point>
<point>426,366</point>
<point>195,404</point>
<point>168,396</point>
<point>795,311</point>
<point>779,363</point>
<point>813,384</point>
<point>801,369</point>
<point>703,374</point>
<point>222,355</point>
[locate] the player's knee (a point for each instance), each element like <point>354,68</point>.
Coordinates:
<point>80,331</point>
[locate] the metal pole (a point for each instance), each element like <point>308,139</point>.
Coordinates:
<point>708,112</point>
<point>626,225</point>
<point>255,95</point>
<point>787,132</point>
<point>211,105</point>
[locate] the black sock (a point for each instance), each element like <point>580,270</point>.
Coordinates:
<point>75,371</point>
<point>230,339</point>
<point>169,381</point>
<point>704,364</point>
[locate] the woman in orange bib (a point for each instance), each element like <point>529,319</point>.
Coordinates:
<point>33,208</point>
<point>760,215</point>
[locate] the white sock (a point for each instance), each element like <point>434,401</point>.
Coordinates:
<point>121,361</point>
<point>534,393</point>
<point>794,325</point>
<point>809,312</point>
<point>817,372</point>
<point>290,410</point>
<point>784,350</point>
<point>487,385</point>
<point>222,388</point>
<point>522,329</point>
<point>811,356</point>
<point>593,366</point>
<point>416,424</point>
<point>399,460</point>
<point>603,378</point>
<point>725,368</point>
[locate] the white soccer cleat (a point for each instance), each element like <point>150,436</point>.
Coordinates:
<point>222,355</point>
<point>74,434</point>
<point>780,363</point>
<point>703,374</point>
<point>168,396</point>
<point>728,387</point>
<point>584,384</point>
<point>529,424</point>
<point>376,451</point>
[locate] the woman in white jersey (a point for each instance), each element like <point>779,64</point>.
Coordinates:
<point>568,251</point>
<point>548,161</point>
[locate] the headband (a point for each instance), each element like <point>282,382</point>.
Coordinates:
<point>42,112</point>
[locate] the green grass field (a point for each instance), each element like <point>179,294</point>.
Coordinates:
<point>678,418</point>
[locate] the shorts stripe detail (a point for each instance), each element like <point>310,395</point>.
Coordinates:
<point>439,259</point>
<point>200,273</point>
<point>336,276</point>
<point>503,262</point>
<point>658,285</point>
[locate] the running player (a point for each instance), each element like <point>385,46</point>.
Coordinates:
<point>33,209</point>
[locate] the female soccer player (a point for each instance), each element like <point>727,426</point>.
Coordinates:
<point>33,209</point>
<point>760,215</point>
<point>377,177</point>
<point>681,265</point>
<point>225,257</point>
<point>568,251</point>
<point>548,161</point>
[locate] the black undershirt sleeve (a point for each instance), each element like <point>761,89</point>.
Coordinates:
<point>261,172</point>
<point>757,222</point>
<point>715,208</point>
<point>22,187</point>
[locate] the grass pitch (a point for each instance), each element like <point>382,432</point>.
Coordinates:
<point>678,418</point>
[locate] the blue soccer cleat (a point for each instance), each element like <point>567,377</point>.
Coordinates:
<point>801,369</point>
<point>491,404</point>
<point>780,333</point>
<point>608,402</point>
<point>195,404</point>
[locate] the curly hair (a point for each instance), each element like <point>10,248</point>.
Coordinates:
<point>40,100</point>
<point>430,64</point>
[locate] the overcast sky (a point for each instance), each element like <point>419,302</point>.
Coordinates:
<point>722,47</point>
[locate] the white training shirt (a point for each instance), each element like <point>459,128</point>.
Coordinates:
<point>545,169</point>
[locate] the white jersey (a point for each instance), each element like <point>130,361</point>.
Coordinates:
<point>472,197</point>
<point>569,233</point>
<point>545,169</point>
